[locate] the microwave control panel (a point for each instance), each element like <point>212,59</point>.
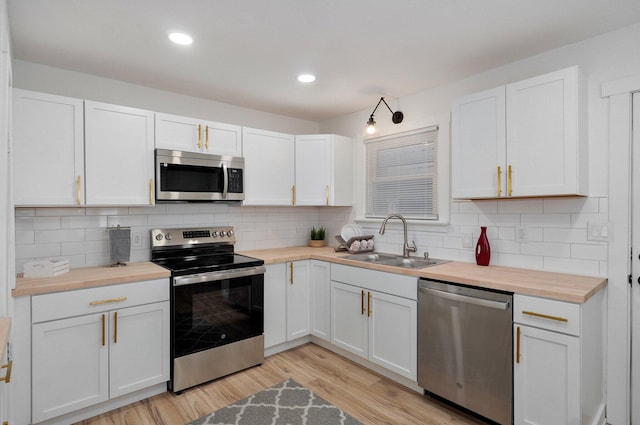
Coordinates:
<point>235,180</point>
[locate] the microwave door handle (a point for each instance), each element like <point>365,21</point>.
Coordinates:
<point>226,180</point>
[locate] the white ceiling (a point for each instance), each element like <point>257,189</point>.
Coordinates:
<point>249,52</point>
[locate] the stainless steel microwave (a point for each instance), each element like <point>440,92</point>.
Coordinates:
<point>192,177</point>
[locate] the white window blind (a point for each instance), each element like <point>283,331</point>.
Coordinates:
<point>402,175</point>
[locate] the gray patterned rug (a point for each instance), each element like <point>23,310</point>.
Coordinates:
<point>287,403</point>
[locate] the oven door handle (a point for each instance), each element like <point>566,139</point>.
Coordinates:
<point>219,275</point>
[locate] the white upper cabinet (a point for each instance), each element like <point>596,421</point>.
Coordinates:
<point>196,135</point>
<point>521,140</point>
<point>48,149</point>
<point>324,170</point>
<point>118,155</point>
<point>269,167</point>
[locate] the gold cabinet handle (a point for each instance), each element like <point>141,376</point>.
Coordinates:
<point>291,273</point>
<point>151,192</point>
<point>499,181</point>
<point>327,195</point>
<point>293,194</point>
<point>7,377</point>
<point>368,304</point>
<point>103,329</point>
<point>111,300</point>
<point>206,137</point>
<point>518,344</point>
<point>199,136</point>
<point>79,185</point>
<point>509,181</point>
<point>545,316</point>
<point>362,302</point>
<point>115,327</point>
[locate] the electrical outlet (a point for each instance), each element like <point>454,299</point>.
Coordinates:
<point>136,240</point>
<point>467,240</point>
<point>522,233</point>
<point>597,231</point>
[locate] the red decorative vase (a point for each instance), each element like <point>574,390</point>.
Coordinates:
<point>483,250</point>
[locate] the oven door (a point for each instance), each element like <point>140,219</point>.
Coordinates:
<point>190,176</point>
<point>214,309</point>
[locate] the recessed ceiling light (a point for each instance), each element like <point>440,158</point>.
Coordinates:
<point>306,78</point>
<point>180,38</point>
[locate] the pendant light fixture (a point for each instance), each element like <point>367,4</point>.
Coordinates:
<point>396,117</point>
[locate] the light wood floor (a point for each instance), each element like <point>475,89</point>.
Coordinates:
<point>367,396</point>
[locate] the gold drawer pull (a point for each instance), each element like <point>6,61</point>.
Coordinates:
<point>545,316</point>
<point>8,366</point>
<point>112,300</point>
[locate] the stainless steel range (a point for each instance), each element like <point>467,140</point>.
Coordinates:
<point>217,303</point>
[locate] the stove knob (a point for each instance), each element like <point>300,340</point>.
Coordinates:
<point>230,233</point>
<point>168,236</point>
<point>214,234</point>
<point>159,237</point>
<point>222,234</point>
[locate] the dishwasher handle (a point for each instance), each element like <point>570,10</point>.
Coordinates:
<point>499,305</point>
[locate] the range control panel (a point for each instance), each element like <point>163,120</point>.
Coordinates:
<point>193,236</point>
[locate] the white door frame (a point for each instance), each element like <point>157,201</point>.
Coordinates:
<point>618,355</point>
<point>635,262</point>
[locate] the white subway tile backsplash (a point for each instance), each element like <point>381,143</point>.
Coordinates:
<point>556,230</point>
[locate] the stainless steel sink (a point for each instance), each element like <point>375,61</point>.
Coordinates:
<point>394,260</point>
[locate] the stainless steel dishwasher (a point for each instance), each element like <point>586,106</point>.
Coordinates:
<point>465,343</point>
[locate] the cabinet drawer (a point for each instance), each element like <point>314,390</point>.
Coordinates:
<point>95,300</point>
<point>558,316</point>
<point>389,283</point>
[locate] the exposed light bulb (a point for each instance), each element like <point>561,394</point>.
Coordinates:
<point>180,38</point>
<point>371,125</point>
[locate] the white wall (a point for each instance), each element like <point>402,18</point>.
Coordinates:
<point>32,76</point>
<point>557,228</point>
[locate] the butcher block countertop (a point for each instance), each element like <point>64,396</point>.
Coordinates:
<point>86,277</point>
<point>557,286</point>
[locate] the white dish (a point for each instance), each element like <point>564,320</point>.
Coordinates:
<point>351,230</point>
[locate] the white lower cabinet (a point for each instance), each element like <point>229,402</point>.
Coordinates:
<point>286,302</point>
<point>374,315</point>
<point>558,372</point>
<point>320,302</point>
<point>118,346</point>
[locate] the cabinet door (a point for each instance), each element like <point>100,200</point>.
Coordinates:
<point>342,174</point>
<point>69,365</point>
<point>349,318</point>
<point>275,305</point>
<point>269,167</point>
<point>118,155</point>
<point>139,348</point>
<point>178,133</point>
<point>312,165</point>
<point>478,145</point>
<point>542,134</point>
<point>320,299</point>
<point>196,135</point>
<point>298,312</point>
<point>48,149</point>
<point>546,377</point>
<point>393,333</point>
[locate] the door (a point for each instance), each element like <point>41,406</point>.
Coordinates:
<point>546,378</point>
<point>70,365</point>
<point>275,305</point>
<point>393,334</point>
<point>139,347</point>
<point>542,134</point>
<point>298,312</point>
<point>349,318</point>
<point>118,155</point>
<point>269,167</point>
<point>478,145</point>
<point>320,280</point>
<point>313,157</point>
<point>635,264</point>
<point>48,149</point>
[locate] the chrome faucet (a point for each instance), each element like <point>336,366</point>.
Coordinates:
<point>406,249</point>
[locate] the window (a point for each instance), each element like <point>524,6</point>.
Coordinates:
<point>402,175</point>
